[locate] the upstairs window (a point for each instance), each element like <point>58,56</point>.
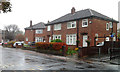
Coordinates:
<point>84,22</point>
<point>107,26</point>
<point>71,24</point>
<point>48,28</point>
<point>57,27</point>
<point>111,25</point>
<point>39,31</point>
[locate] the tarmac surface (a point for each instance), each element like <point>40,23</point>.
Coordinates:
<point>17,59</point>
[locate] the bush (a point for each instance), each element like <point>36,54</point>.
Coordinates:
<point>71,52</point>
<point>57,40</point>
<point>50,46</point>
<point>10,44</point>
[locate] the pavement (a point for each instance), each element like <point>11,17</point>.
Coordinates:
<point>18,59</point>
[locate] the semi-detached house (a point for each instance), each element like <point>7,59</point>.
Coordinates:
<point>76,27</point>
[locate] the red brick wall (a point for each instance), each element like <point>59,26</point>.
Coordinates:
<point>30,34</point>
<point>41,35</point>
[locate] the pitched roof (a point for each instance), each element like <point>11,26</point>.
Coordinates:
<point>79,15</point>
<point>40,25</point>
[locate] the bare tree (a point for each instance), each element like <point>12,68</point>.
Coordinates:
<point>11,31</point>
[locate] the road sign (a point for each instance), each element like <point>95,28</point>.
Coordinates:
<point>112,35</point>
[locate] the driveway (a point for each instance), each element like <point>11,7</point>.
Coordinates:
<point>17,59</point>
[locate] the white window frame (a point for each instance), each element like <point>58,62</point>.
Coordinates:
<point>110,24</point>
<point>26,38</point>
<point>114,38</point>
<point>40,31</point>
<point>84,20</point>
<point>107,39</point>
<point>38,39</point>
<point>57,27</point>
<point>71,24</point>
<point>56,37</point>
<point>107,26</point>
<point>71,39</point>
<point>48,28</point>
<point>49,39</point>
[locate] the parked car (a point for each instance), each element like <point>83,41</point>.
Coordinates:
<point>19,43</point>
<point>100,44</point>
<point>0,43</point>
<point>31,43</point>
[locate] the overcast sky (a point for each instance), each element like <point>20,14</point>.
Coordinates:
<point>43,10</point>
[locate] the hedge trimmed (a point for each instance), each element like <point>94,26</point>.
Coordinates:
<point>57,46</point>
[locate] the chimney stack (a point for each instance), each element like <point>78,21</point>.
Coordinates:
<point>72,10</point>
<point>30,23</point>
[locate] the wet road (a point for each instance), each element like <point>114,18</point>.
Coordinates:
<point>17,59</point>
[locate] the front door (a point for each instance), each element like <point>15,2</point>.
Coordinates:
<point>85,37</point>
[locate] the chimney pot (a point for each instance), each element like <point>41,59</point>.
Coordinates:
<point>72,10</point>
<point>31,23</point>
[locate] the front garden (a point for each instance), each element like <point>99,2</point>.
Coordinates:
<point>55,47</point>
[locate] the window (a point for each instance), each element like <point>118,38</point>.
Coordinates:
<point>48,28</point>
<point>107,38</point>
<point>107,26</point>
<point>26,39</point>
<point>57,27</point>
<point>111,25</point>
<point>71,39</point>
<point>56,37</point>
<point>84,22</point>
<point>39,39</point>
<point>71,24</point>
<point>39,31</point>
<point>114,38</point>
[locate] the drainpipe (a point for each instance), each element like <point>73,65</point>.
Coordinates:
<point>52,32</point>
<point>77,33</point>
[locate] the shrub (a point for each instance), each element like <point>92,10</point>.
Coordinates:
<point>57,40</point>
<point>10,44</point>
<point>50,46</point>
<point>58,46</point>
<point>71,52</point>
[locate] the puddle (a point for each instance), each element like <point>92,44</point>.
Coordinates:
<point>56,65</point>
<point>90,66</point>
<point>63,69</point>
<point>80,67</point>
<point>30,60</point>
<point>78,63</point>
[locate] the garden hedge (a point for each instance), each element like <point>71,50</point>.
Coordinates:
<point>57,46</point>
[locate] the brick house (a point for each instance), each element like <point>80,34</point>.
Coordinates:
<point>35,33</point>
<point>76,27</point>
<point>81,26</point>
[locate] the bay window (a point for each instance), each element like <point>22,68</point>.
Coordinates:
<point>56,37</point>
